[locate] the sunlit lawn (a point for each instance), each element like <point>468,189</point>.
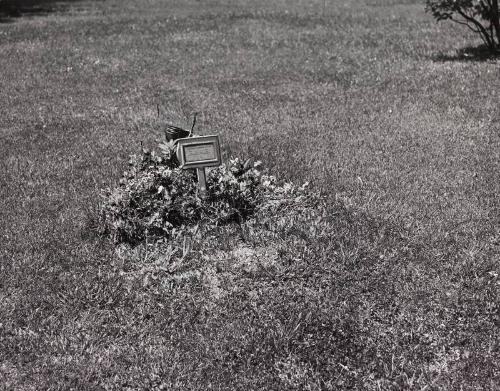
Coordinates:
<point>365,100</point>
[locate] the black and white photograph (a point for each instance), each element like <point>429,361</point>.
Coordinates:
<point>249,195</point>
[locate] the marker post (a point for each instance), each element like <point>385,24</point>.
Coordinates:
<point>202,182</point>
<point>199,152</point>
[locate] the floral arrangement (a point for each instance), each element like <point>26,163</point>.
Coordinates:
<point>155,197</point>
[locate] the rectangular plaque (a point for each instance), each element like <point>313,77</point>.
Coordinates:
<point>199,152</point>
<point>196,152</point>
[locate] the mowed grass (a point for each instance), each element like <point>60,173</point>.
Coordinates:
<point>393,284</point>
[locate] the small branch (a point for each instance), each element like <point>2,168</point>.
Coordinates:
<point>194,123</point>
<point>495,19</point>
<point>483,31</point>
<point>466,24</point>
<point>472,29</point>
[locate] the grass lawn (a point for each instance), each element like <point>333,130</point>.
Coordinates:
<point>392,283</point>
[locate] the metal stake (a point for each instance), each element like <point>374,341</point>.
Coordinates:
<point>202,182</point>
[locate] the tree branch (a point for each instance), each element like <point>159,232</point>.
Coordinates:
<point>483,31</point>
<point>495,19</point>
<point>471,28</point>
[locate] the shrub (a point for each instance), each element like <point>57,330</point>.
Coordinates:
<point>156,197</point>
<point>481,16</point>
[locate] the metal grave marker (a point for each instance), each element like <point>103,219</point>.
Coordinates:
<point>199,152</point>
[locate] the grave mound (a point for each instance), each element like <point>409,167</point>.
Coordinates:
<point>157,199</point>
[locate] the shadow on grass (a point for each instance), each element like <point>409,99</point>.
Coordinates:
<point>11,9</point>
<point>471,53</point>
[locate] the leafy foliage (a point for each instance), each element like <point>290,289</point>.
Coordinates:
<point>156,197</point>
<point>481,16</point>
